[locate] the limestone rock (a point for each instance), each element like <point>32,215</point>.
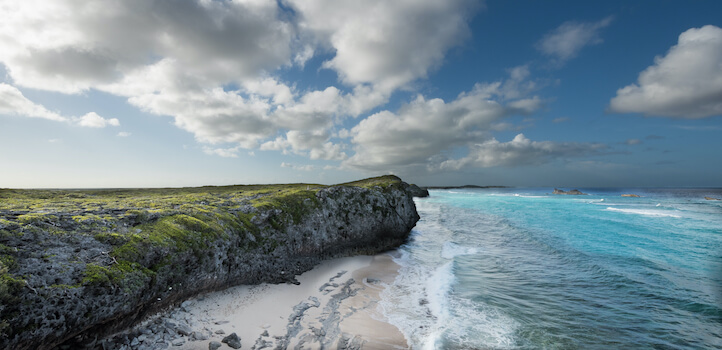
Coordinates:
<point>214,345</point>
<point>76,262</point>
<point>630,195</point>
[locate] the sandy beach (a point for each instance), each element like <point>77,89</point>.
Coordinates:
<point>334,306</point>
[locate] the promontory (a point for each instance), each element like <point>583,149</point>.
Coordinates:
<point>76,265</point>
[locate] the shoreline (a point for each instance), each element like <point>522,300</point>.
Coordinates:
<point>334,306</point>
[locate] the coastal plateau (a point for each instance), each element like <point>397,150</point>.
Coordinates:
<point>78,265</point>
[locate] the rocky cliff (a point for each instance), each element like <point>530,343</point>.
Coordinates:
<point>76,265</point>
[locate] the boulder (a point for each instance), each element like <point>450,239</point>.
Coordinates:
<point>233,341</point>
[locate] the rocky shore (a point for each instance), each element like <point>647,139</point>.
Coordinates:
<point>80,265</point>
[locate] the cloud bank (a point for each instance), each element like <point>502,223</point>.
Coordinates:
<point>215,68</point>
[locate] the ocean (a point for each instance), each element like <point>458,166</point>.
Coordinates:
<point>524,269</point>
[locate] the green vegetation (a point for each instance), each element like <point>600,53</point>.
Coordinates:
<point>145,226</point>
<point>384,182</point>
<point>126,275</point>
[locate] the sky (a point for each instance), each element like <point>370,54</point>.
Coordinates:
<point>173,93</point>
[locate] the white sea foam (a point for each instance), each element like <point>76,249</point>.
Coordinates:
<point>647,212</point>
<point>476,325</point>
<point>437,289</point>
<point>404,303</point>
<point>452,250</point>
<point>517,195</point>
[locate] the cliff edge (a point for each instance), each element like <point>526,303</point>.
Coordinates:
<point>76,265</point>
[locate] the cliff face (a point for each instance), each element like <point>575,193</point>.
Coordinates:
<point>70,274</point>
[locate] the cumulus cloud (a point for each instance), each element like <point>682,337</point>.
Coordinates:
<point>426,129</point>
<point>565,42</point>
<point>686,83</point>
<point>384,43</point>
<point>93,120</point>
<point>315,145</point>
<point>210,64</point>
<point>13,102</point>
<point>124,134</point>
<point>214,115</point>
<point>71,46</point>
<point>519,151</point>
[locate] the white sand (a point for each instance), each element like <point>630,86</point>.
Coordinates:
<point>346,292</point>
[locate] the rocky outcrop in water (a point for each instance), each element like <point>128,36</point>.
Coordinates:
<point>71,276</point>
<point>572,192</point>
<point>630,195</point>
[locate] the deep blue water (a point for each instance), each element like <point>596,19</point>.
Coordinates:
<point>524,269</point>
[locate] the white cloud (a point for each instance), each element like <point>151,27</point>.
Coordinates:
<point>124,134</point>
<point>71,46</point>
<point>307,167</point>
<point>213,116</point>
<point>686,83</point>
<point>210,65</point>
<point>315,145</point>
<point>519,151</point>
<point>222,152</point>
<point>12,102</point>
<point>425,130</point>
<point>93,120</point>
<point>384,43</point>
<point>565,42</point>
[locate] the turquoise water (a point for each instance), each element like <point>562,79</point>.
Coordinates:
<point>523,269</point>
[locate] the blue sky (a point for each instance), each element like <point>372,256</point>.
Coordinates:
<point>519,93</point>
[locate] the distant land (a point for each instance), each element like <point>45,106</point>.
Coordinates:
<point>460,187</point>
